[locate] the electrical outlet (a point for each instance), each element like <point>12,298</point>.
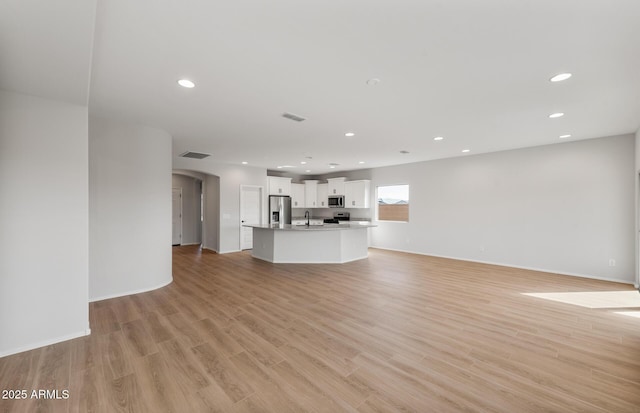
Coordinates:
<point>612,262</point>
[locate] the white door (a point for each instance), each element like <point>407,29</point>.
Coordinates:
<point>250,213</point>
<point>176,216</point>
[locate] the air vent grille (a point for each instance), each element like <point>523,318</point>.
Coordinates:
<point>293,117</point>
<point>194,155</point>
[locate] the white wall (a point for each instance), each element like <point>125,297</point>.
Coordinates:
<point>44,257</point>
<point>230,178</point>
<point>566,208</point>
<point>191,224</point>
<point>129,208</point>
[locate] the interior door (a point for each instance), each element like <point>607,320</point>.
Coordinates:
<point>250,213</point>
<point>176,210</point>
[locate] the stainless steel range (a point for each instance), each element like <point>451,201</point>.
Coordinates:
<point>338,217</point>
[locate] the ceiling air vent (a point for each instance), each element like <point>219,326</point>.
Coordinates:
<point>194,155</point>
<point>293,117</point>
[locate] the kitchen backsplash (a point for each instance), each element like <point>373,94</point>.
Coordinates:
<point>355,213</point>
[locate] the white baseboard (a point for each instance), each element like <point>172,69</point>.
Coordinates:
<point>44,343</point>
<point>593,277</point>
<point>219,251</point>
<point>143,290</point>
<point>313,262</point>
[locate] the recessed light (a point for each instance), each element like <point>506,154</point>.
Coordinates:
<point>438,138</point>
<point>287,166</point>
<point>361,162</point>
<point>308,170</point>
<point>279,167</point>
<point>466,150</point>
<point>373,81</point>
<point>244,162</point>
<point>556,115</point>
<point>186,83</point>
<point>349,134</point>
<point>332,167</point>
<point>303,162</point>
<point>564,136</point>
<point>560,77</point>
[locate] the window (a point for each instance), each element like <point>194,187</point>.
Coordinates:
<point>393,203</point>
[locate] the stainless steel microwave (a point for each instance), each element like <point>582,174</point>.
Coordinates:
<point>336,201</point>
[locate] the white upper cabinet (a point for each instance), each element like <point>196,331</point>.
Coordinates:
<point>322,200</point>
<point>336,186</point>
<point>279,186</point>
<point>357,194</point>
<point>297,196</point>
<point>311,194</point>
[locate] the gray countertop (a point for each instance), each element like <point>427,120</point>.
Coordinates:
<point>325,227</point>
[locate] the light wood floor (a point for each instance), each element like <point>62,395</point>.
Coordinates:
<point>396,332</point>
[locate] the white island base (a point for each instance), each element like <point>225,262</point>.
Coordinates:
<point>311,245</point>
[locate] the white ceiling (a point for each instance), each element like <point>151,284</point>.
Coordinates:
<point>475,72</point>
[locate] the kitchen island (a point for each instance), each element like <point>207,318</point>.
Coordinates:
<point>329,243</point>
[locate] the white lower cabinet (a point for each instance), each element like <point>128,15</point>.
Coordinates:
<point>303,221</point>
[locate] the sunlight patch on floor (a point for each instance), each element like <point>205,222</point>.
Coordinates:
<point>635,314</point>
<point>594,299</point>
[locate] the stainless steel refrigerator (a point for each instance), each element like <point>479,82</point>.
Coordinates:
<point>279,209</point>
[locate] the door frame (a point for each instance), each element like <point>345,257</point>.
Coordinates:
<point>260,209</point>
